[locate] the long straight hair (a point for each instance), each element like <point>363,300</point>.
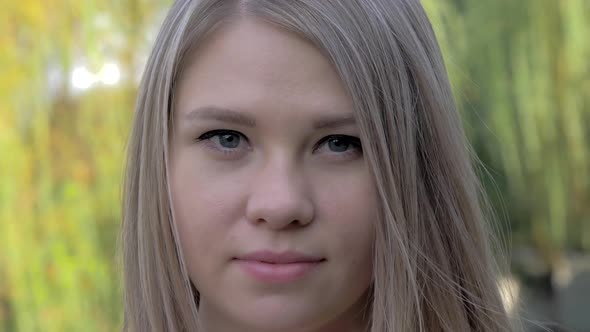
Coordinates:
<point>433,266</point>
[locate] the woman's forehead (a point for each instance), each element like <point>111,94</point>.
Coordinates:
<point>250,64</point>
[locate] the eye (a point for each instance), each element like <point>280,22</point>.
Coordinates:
<point>341,144</point>
<point>227,141</point>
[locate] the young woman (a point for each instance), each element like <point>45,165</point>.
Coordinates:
<point>299,165</point>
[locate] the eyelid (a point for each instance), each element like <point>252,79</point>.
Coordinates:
<point>352,140</point>
<point>213,133</point>
<point>355,142</point>
<point>206,138</point>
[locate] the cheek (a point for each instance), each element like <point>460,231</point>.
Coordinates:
<point>348,231</point>
<point>204,210</point>
<point>351,203</point>
<point>350,213</point>
<point>203,199</point>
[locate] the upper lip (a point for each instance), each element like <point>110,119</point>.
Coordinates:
<point>285,257</point>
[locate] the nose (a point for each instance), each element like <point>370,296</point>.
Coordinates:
<point>278,198</point>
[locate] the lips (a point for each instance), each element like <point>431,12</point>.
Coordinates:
<point>286,257</point>
<point>272,267</point>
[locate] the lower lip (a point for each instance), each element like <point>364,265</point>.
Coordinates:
<point>277,273</point>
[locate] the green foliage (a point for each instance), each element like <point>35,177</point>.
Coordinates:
<point>63,153</point>
<point>519,70</point>
<point>522,80</point>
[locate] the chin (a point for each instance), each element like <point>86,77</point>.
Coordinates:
<point>276,326</point>
<point>274,319</point>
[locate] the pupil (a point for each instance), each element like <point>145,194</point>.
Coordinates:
<point>337,146</point>
<point>229,141</point>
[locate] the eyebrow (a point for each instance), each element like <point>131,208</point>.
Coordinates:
<point>220,114</point>
<point>246,120</point>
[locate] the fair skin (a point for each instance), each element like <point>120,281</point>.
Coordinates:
<point>281,176</point>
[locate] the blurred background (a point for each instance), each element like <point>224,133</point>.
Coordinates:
<point>69,72</point>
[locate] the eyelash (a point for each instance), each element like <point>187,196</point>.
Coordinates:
<point>354,142</point>
<point>210,134</point>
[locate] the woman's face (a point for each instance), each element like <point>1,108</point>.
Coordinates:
<point>273,200</point>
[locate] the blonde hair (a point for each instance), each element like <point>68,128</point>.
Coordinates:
<point>433,266</point>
